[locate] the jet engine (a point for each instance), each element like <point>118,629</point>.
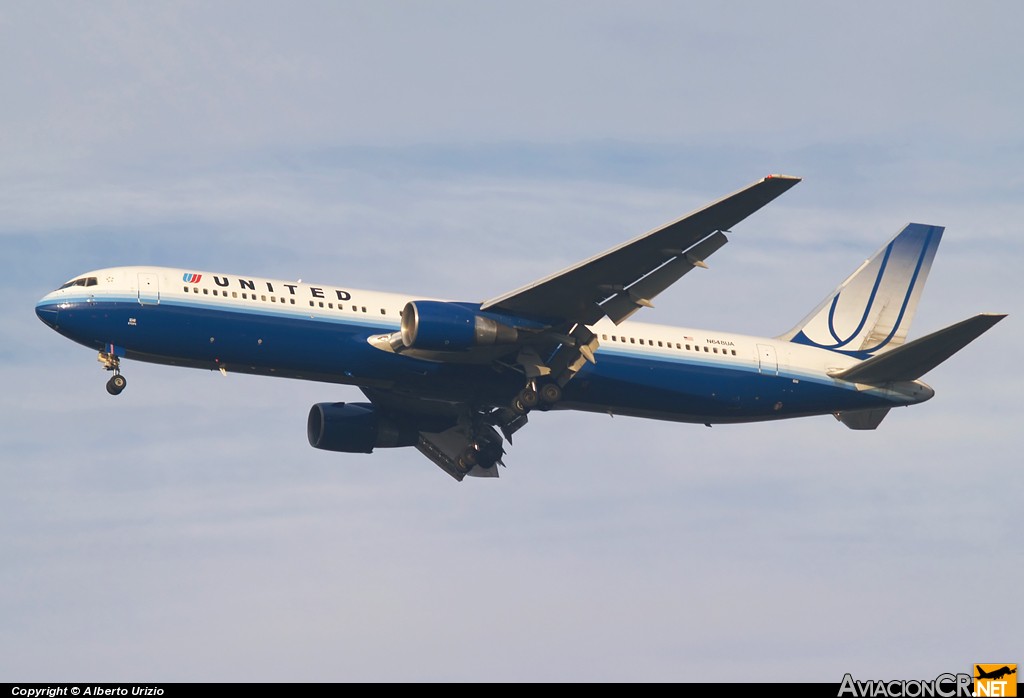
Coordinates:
<point>355,427</point>
<point>439,326</point>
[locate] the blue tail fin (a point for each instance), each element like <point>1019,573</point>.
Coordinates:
<point>871,311</point>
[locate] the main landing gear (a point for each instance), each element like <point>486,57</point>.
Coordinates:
<point>483,446</point>
<point>542,395</point>
<point>482,452</point>
<point>111,362</point>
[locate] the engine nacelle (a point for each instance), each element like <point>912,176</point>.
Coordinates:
<point>354,427</point>
<point>439,326</point>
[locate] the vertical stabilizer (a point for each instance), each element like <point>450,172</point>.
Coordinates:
<point>871,311</point>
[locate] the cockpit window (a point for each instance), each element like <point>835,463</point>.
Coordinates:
<point>84,281</point>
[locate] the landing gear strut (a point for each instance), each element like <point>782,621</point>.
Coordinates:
<point>111,362</point>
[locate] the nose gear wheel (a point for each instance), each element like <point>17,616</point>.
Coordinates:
<point>111,362</point>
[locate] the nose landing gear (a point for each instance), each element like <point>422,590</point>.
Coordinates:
<point>111,362</point>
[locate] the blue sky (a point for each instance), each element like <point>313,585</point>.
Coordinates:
<point>186,531</point>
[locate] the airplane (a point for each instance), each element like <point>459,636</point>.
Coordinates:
<point>457,379</point>
<point>996,674</point>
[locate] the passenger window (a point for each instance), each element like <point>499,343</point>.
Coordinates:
<point>364,308</point>
<point>632,340</point>
<point>641,341</point>
<point>245,296</point>
<point>321,304</point>
<point>292,300</point>
<point>263,298</point>
<point>186,289</point>
<point>311,304</point>
<point>734,352</point>
<point>660,344</point>
<point>705,350</point>
<point>383,312</point>
<point>234,294</point>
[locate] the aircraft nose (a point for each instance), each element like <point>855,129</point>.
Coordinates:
<point>47,312</point>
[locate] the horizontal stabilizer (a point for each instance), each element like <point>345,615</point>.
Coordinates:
<point>910,361</point>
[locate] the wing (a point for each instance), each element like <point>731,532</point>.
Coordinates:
<point>620,281</point>
<point>540,331</point>
<point>459,438</point>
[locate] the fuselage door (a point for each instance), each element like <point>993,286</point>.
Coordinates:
<point>767,362</point>
<point>149,288</point>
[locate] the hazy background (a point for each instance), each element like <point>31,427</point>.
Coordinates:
<point>186,531</point>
